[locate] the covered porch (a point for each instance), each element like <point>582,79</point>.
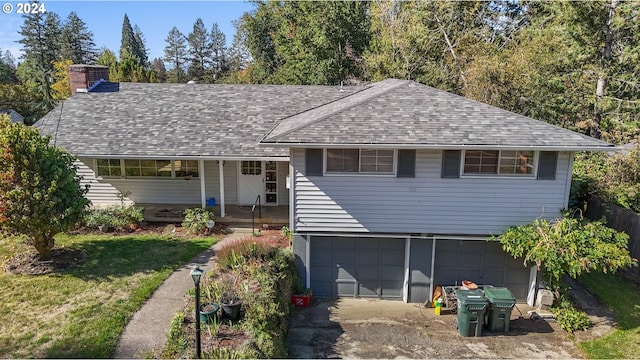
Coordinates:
<point>234,214</point>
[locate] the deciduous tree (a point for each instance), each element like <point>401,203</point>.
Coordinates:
<point>40,192</point>
<point>569,245</point>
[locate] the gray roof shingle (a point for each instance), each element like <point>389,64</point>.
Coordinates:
<point>179,119</point>
<point>198,120</point>
<point>409,114</point>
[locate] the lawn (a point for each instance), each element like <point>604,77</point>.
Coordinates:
<point>624,299</point>
<point>81,312</point>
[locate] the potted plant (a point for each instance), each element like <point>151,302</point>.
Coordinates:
<point>208,312</point>
<point>301,296</point>
<point>208,308</point>
<point>230,300</point>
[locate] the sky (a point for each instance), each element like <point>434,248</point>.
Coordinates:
<point>104,19</point>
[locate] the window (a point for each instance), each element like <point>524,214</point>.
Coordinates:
<point>494,162</point>
<point>342,160</point>
<point>147,168</point>
<point>516,162</point>
<point>185,168</point>
<point>251,167</point>
<point>132,168</point>
<point>360,161</point>
<point>379,161</point>
<point>481,162</point>
<point>109,167</point>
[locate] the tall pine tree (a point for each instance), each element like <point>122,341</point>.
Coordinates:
<point>218,50</point>
<point>175,53</point>
<point>132,42</point>
<point>141,46</point>
<point>41,39</point>
<point>77,41</point>
<point>199,50</point>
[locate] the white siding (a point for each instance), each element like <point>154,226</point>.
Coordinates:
<point>230,182</point>
<point>101,193</point>
<point>426,203</point>
<point>104,191</point>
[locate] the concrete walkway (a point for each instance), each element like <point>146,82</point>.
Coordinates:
<point>149,328</point>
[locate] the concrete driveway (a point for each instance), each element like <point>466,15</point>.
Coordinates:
<point>375,329</point>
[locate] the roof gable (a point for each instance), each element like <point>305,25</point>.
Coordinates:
<point>409,114</point>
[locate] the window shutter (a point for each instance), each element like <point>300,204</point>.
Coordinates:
<point>313,161</point>
<point>451,163</point>
<point>547,163</point>
<point>406,163</point>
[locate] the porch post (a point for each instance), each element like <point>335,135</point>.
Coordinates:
<point>221,171</point>
<point>203,193</point>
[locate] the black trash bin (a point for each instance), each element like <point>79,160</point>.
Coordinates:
<point>471,309</point>
<point>501,302</point>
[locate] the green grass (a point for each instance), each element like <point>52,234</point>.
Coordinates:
<point>81,312</point>
<point>624,299</point>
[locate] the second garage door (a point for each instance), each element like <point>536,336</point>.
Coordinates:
<point>483,262</point>
<point>357,266</point>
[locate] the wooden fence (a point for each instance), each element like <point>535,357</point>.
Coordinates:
<point>620,219</point>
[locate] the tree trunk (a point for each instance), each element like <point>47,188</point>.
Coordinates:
<point>451,49</point>
<point>601,87</point>
<point>44,246</point>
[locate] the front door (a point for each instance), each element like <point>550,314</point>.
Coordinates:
<point>250,182</point>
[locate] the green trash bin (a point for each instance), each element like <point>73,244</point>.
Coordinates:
<point>501,302</point>
<point>471,308</point>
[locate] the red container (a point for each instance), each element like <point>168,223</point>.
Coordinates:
<point>301,300</point>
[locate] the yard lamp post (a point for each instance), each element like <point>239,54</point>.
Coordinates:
<point>196,273</point>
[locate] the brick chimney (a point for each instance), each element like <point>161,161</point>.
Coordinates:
<point>82,77</point>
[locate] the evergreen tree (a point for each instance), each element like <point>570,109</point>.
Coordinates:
<point>218,50</point>
<point>41,43</point>
<point>199,50</point>
<point>238,55</point>
<point>128,39</point>
<point>141,46</point>
<point>108,58</point>
<point>175,53</point>
<point>78,45</point>
<point>8,69</point>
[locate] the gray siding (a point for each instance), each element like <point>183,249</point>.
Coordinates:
<point>426,203</point>
<point>283,192</point>
<point>104,192</point>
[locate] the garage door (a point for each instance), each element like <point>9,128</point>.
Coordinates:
<point>357,266</point>
<point>483,262</point>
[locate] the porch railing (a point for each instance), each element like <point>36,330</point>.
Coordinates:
<point>253,213</point>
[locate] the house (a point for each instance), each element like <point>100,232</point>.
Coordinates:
<point>392,188</point>
<point>13,115</point>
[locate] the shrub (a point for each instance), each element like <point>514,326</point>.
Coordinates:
<point>571,319</point>
<point>196,219</point>
<point>118,218</point>
<point>263,277</point>
<point>567,316</point>
<point>267,311</point>
<point>242,251</point>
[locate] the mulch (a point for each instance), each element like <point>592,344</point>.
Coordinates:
<point>30,263</point>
